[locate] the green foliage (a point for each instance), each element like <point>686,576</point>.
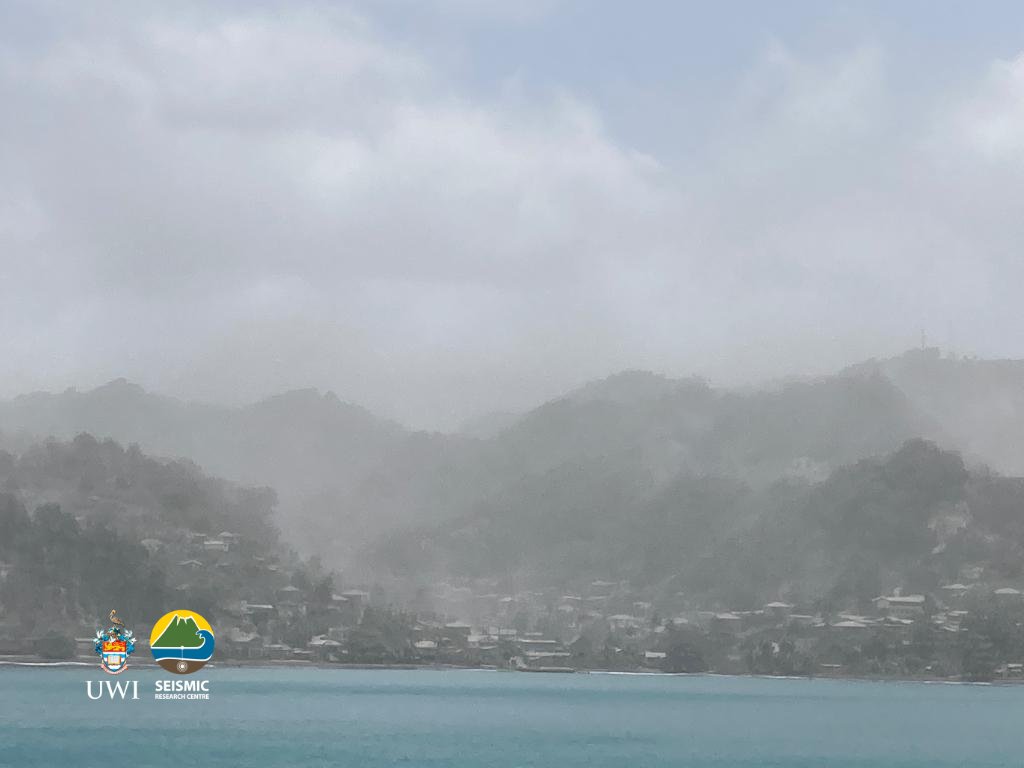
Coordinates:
<point>777,657</point>
<point>14,521</point>
<point>884,506</point>
<point>381,637</point>
<point>719,539</point>
<point>989,634</point>
<point>685,652</point>
<point>69,567</point>
<point>62,570</point>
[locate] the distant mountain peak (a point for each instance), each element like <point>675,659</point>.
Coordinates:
<point>119,386</point>
<point>629,387</point>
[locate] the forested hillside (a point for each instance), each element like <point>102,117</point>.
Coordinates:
<point>606,451</point>
<point>312,449</point>
<point>86,526</point>
<point>911,519</point>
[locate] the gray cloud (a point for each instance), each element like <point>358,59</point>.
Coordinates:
<point>225,201</point>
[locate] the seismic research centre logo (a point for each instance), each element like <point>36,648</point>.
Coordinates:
<point>182,642</point>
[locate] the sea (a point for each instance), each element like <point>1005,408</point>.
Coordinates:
<point>304,717</point>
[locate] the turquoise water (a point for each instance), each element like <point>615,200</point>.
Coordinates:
<point>465,719</point>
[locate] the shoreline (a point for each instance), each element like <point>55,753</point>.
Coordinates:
<point>34,662</point>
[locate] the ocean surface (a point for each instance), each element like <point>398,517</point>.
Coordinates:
<point>465,719</point>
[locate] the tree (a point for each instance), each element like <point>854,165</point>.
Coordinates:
<point>14,521</point>
<point>683,652</point>
<point>54,645</point>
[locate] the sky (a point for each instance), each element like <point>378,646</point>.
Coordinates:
<point>440,208</point>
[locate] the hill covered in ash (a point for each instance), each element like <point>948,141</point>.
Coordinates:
<point>86,526</point>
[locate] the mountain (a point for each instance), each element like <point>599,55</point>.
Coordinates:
<point>639,476</point>
<point>914,518</point>
<point>88,525</point>
<point>573,483</point>
<point>628,388</point>
<point>180,633</point>
<point>311,448</point>
<point>345,478</point>
<point>978,403</point>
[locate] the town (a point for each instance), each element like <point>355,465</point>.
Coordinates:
<point>279,613</point>
<point>112,528</point>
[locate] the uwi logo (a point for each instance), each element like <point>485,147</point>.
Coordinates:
<point>114,645</point>
<point>182,642</point>
<point>114,689</point>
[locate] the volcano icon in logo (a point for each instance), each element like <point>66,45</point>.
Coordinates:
<point>182,642</point>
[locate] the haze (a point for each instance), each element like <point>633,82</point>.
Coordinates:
<point>442,209</point>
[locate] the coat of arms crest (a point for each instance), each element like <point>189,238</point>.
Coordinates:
<point>114,645</point>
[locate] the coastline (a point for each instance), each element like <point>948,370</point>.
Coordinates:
<point>35,662</point>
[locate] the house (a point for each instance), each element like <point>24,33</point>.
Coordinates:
<point>643,608</point>
<point>654,658</point>
<point>240,644</point>
<point>356,596</point>
<point>897,623</point>
<point>953,594</point>
<point>258,612</point>
<point>1011,669</point>
<point>457,631</point>
<point>545,656</point>
<point>1008,595</point>
<point>337,608</point>
<point>778,610</point>
<point>426,649</point>
<point>620,622</point>
<point>850,625</point>
<point>539,644</point>
<point>902,606</point>
<point>215,545</point>
<point>726,622</point>
<point>277,651</point>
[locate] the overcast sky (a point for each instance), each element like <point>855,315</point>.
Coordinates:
<point>440,208</point>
